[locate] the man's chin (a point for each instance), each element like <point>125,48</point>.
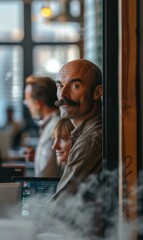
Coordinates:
<point>63,112</point>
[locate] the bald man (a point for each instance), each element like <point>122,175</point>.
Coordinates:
<point>79,91</point>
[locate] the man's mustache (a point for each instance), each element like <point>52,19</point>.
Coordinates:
<point>66,101</point>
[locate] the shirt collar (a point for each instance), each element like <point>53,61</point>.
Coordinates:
<point>45,120</point>
<point>85,125</point>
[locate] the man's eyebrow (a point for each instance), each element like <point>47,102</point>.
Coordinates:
<point>70,81</point>
<point>75,80</point>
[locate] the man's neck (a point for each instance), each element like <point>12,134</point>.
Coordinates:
<point>96,109</point>
<point>47,111</point>
<point>45,115</point>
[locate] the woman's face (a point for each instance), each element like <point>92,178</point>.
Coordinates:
<point>62,147</point>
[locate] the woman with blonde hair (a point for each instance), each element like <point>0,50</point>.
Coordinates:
<point>62,141</point>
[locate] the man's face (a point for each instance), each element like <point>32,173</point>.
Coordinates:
<point>74,84</point>
<point>31,103</point>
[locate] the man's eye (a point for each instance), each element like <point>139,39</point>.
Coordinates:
<point>59,86</point>
<point>75,86</point>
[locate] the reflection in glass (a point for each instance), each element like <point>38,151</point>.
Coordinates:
<point>11,21</point>
<point>49,59</point>
<point>11,80</point>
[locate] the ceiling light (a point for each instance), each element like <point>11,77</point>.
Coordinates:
<point>46,12</point>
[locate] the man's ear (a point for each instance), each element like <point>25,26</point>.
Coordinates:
<point>98,92</point>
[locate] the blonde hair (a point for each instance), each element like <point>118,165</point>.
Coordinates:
<point>62,124</point>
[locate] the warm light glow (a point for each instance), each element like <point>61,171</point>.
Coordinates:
<point>46,12</point>
<point>52,66</point>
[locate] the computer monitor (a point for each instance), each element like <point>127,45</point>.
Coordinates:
<point>34,192</point>
<point>8,171</point>
<point>10,194</point>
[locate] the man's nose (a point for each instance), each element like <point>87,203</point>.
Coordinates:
<point>64,92</point>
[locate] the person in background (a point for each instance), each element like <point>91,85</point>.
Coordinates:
<point>29,154</point>
<point>62,141</point>
<point>28,133</point>
<point>11,124</point>
<point>40,96</point>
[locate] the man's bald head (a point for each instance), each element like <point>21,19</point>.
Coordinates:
<point>85,68</point>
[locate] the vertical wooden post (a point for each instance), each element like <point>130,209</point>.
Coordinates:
<point>129,108</point>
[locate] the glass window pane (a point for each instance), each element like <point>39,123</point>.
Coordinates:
<point>60,27</point>
<point>75,8</point>
<point>93,31</point>
<point>11,80</point>
<point>49,59</point>
<point>11,21</point>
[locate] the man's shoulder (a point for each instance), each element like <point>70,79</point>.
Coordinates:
<point>89,132</point>
<point>90,137</point>
<point>92,127</point>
